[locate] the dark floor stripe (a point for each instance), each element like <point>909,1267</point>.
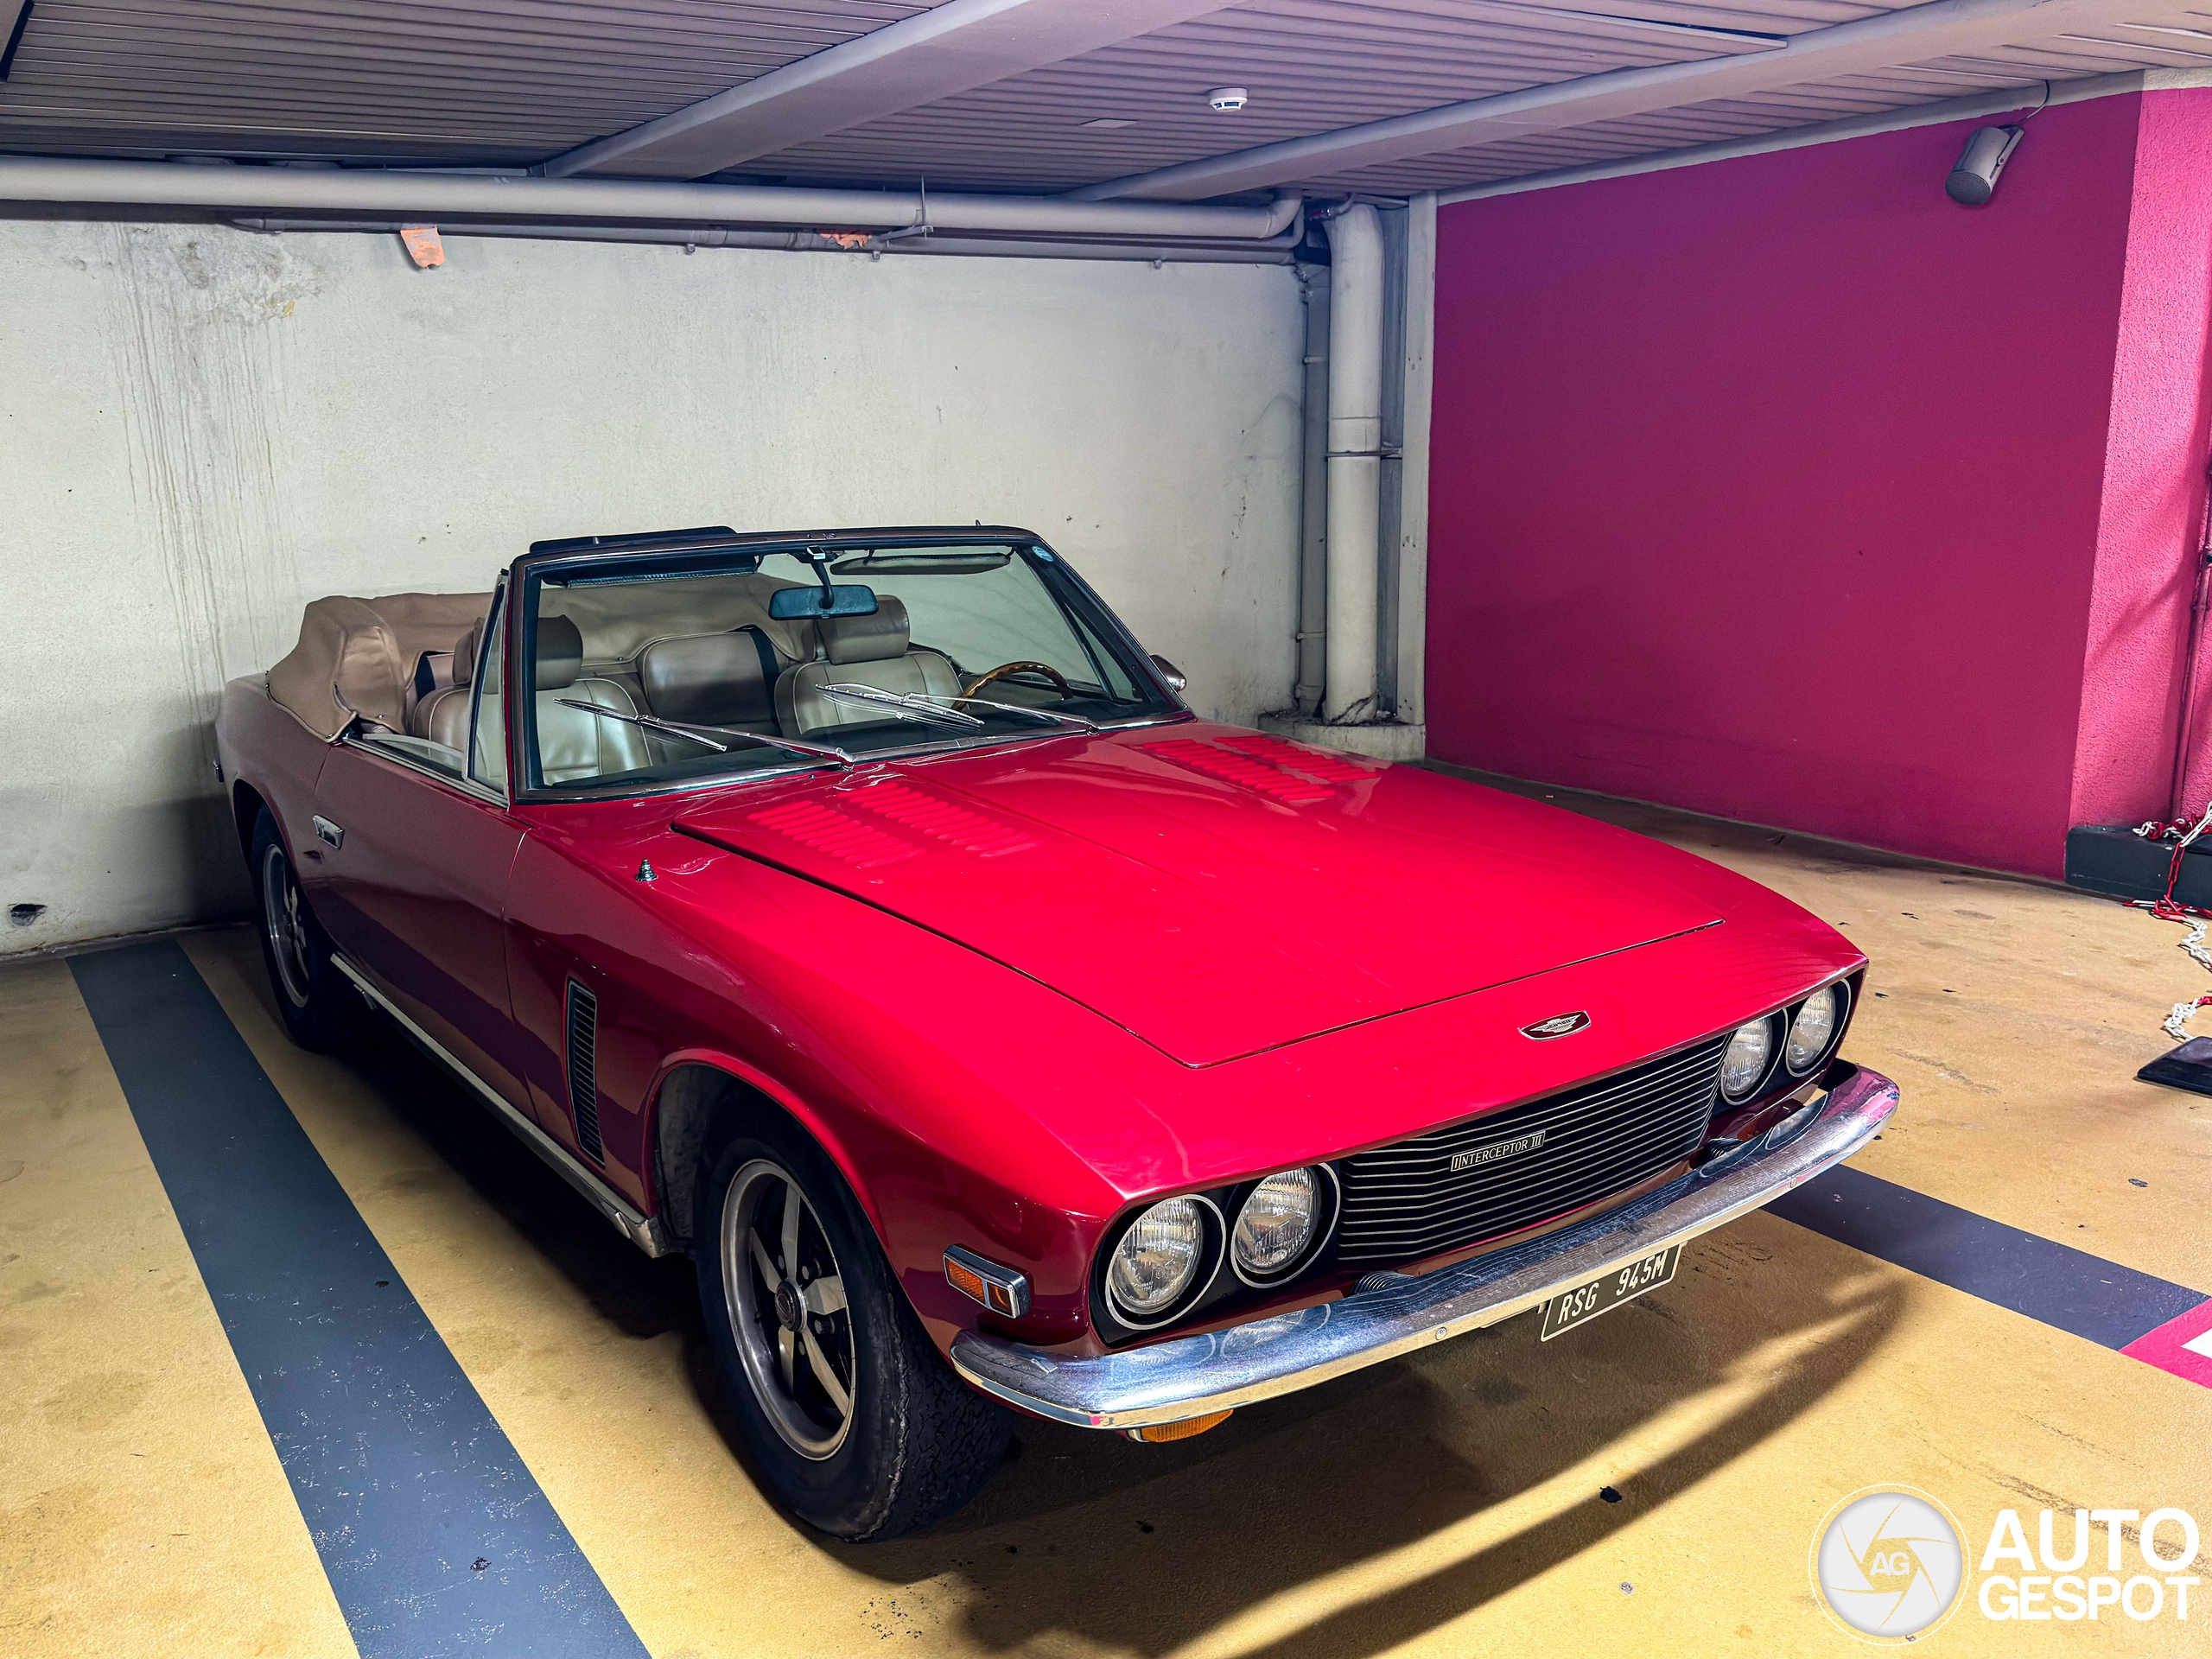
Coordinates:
<point>405,1480</point>
<point>2053,1282</point>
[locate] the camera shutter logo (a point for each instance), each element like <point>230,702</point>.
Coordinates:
<point>1887,1564</point>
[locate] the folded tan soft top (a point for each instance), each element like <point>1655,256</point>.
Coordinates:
<point>367,648</point>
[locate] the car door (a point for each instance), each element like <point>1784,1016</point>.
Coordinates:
<point>417,842</point>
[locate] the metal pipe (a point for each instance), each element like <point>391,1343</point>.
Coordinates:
<point>717,236</point>
<point>1313,503</point>
<point>1355,468</point>
<point>432,195</point>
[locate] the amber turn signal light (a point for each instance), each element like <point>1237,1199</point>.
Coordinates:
<point>1000,1289</point>
<point>1156,1432</point>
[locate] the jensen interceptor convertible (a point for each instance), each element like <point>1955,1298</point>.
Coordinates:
<point>863,913</point>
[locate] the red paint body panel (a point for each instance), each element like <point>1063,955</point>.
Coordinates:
<point>1213,891</point>
<point>965,974</point>
<point>416,895</point>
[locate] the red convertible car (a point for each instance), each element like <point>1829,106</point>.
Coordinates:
<point>862,913</point>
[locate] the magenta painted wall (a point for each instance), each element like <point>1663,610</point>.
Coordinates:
<point>2155,455</point>
<point>1774,487</point>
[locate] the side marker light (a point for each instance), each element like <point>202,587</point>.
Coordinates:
<point>1000,1289</point>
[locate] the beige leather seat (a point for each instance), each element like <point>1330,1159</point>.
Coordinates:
<point>862,651</point>
<point>441,715</point>
<point>571,744</point>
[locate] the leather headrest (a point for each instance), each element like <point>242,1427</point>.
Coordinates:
<point>465,649</point>
<point>560,652</point>
<point>713,678</point>
<point>866,638</point>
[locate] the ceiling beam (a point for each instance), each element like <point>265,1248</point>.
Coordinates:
<point>952,47</point>
<point>14,16</point>
<point>1881,41</point>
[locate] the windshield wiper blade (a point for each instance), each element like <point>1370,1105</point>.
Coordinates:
<point>1076,720</point>
<point>655,723</point>
<point>921,706</point>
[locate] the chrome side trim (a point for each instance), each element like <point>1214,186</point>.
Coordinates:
<point>1221,1370</point>
<point>647,1232</point>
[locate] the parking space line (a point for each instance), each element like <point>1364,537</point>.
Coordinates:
<point>2115,1306</point>
<point>436,1536</point>
<point>2181,1345</point>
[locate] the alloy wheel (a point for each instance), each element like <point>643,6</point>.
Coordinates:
<point>787,1312</point>
<point>286,920</point>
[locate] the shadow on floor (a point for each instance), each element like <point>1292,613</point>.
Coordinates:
<point>1149,1547</point>
<point>1145,1548</point>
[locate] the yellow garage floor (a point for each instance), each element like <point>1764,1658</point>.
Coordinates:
<point>1447,1504</point>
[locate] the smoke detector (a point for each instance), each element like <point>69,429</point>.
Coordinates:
<point>1228,99</point>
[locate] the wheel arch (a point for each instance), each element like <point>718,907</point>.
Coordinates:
<point>247,804</point>
<point>694,1094</point>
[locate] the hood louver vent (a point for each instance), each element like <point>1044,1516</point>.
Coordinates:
<point>583,1068</point>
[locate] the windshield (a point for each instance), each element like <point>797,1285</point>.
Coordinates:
<point>655,672</point>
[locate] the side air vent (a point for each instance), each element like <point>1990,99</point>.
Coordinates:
<point>583,1067</point>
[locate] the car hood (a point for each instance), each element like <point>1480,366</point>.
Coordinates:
<point>1215,892</point>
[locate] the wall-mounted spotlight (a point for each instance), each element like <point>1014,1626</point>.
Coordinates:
<point>1974,181</point>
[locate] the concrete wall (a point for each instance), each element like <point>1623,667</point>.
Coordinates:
<point>201,429</point>
<point>1785,488</point>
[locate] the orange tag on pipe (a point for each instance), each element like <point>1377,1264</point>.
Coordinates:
<point>424,245</point>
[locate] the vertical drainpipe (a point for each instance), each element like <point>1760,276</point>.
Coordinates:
<point>1313,504</point>
<point>1355,461</point>
<point>1389,529</point>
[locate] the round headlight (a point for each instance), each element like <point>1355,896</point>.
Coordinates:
<point>1814,1028</point>
<point>1745,1064</point>
<point>1157,1258</point>
<point>1277,1223</point>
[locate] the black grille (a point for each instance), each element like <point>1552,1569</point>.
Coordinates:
<point>583,1067</point>
<point>1404,1202</point>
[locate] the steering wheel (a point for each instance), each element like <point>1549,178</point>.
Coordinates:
<point>1004,669</point>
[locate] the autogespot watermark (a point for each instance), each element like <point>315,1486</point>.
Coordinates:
<point>2155,1584</point>
<point>1887,1564</point>
<point>1890,1565</point>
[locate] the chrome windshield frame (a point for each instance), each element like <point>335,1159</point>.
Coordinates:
<point>671,553</point>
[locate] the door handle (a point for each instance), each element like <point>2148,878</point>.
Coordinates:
<point>328,833</point>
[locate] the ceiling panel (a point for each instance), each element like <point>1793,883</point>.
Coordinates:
<point>506,82</point>
<point>379,79</point>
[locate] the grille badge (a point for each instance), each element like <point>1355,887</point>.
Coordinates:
<point>1496,1150</point>
<point>1559,1025</point>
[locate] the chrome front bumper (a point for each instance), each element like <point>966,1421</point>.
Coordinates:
<point>1221,1369</point>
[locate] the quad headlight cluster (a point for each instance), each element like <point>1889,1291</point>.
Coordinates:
<point>1170,1254</point>
<point>1805,1036</point>
<point>1183,1255</point>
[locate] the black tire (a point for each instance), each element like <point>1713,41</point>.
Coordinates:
<point>315,999</point>
<point>914,1443</point>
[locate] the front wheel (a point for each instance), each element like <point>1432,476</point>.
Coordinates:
<point>853,1420</point>
<point>312,995</point>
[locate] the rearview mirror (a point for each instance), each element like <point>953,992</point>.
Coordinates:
<point>804,604</point>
